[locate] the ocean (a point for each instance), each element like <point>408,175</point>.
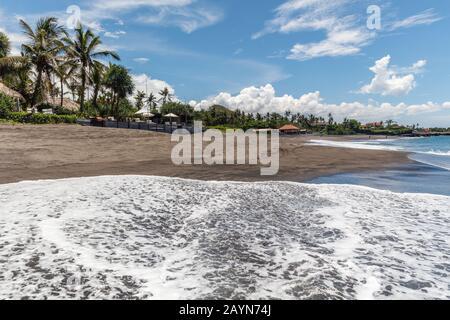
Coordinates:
<point>430,173</point>
<point>135,237</point>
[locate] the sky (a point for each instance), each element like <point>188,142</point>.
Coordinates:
<point>369,60</point>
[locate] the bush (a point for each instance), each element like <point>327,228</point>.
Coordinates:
<point>39,118</point>
<point>6,105</point>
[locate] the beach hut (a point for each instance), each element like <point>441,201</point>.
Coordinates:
<point>290,129</point>
<point>67,103</point>
<point>12,94</point>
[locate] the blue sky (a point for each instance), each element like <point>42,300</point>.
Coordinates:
<point>259,56</point>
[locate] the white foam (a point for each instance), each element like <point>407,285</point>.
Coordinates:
<point>367,145</point>
<point>164,238</point>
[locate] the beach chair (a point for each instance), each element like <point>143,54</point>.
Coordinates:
<point>47,111</point>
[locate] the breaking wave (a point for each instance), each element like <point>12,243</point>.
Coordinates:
<point>133,237</point>
<point>429,151</point>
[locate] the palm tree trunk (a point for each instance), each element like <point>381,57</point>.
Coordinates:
<point>83,88</point>
<point>62,93</point>
<point>37,87</point>
<point>95,98</point>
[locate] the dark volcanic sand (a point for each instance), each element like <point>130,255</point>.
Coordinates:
<point>65,151</point>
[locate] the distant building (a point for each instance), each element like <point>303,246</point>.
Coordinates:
<point>373,125</point>
<point>319,123</point>
<point>291,129</point>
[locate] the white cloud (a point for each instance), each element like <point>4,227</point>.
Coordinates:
<point>264,99</point>
<point>188,19</point>
<point>187,15</point>
<point>238,51</point>
<point>146,84</point>
<point>141,60</point>
<point>120,5</point>
<point>344,26</point>
<point>114,34</point>
<point>389,81</point>
<point>184,14</point>
<point>344,34</point>
<point>342,40</point>
<point>426,17</point>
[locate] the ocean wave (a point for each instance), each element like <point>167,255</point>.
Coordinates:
<point>432,159</point>
<point>165,238</point>
<point>438,153</point>
<point>367,145</point>
<point>435,158</point>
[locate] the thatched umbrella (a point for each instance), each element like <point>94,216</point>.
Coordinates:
<point>145,113</point>
<point>171,116</point>
<point>12,94</point>
<point>67,103</point>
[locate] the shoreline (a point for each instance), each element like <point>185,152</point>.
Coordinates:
<point>51,152</point>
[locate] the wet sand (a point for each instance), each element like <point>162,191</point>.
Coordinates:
<point>68,151</point>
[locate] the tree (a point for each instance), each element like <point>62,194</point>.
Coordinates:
<point>96,79</point>
<point>184,111</point>
<point>166,96</point>
<point>330,119</point>
<point>140,97</point>
<point>65,70</point>
<point>119,81</point>
<point>389,123</point>
<point>14,70</point>
<point>151,101</point>
<point>44,45</point>
<point>5,45</point>
<point>84,49</point>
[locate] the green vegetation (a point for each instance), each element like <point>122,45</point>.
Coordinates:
<point>40,118</point>
<point>5,45</point>
<point>54,65</point>
<point>6,105</point>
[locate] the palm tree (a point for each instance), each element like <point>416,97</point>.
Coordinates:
<point>5,45</point>
<point>166,96</point>
<point>119,81</point>
<point>42,51</point>
<point>84,49</point>
<point>96,78</point>
<point>140,97</point>
<point>64,70</point>
<point>8,64</point>
<point>330,119</point>
<point>151,101</point>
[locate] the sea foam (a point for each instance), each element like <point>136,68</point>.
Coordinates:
<point>134,237</point>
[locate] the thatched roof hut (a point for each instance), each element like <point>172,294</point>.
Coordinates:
<point>291,129</point>
<point>10,92</point>
<point>68,104</point>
